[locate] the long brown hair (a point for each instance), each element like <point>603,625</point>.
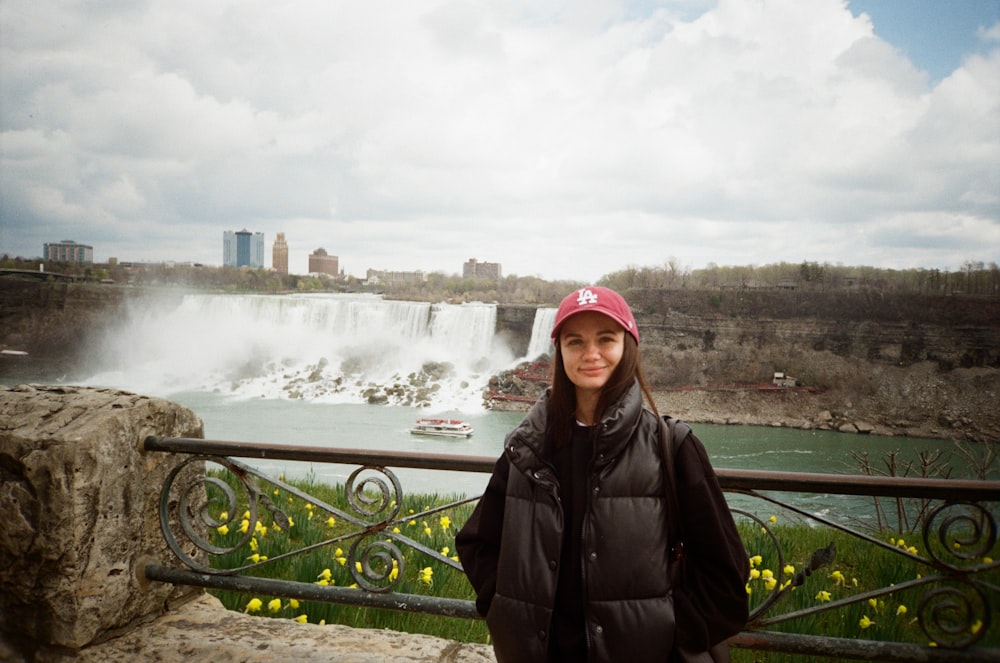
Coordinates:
<point>562,399</point>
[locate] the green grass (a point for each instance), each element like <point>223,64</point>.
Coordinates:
<point>859,568</point>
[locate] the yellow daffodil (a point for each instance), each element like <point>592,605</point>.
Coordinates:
<point>987,560</point>
<point>426,575</point>
<point>322,583</point>
<point>222,529</point>
<point>912,550</point>
<point>411,512</point>
<point>864,622</point>
<point>325,574</point>
<point>770,584</point>
<point>901,610</point>
<point>976,627</point>
<point>789,570</point>
<point>756,560</point>
<point>427,531</point>
<point>274,605</point>
<point>302,619</point>
<point>339,552</point>
<point>446,551</point>
<point>445,522</point>
<point>838,578</point>
<point>767,574</point>
<point>275,492</point>
<point>253,544</point>
<point>224,516</point>
<point>293,604</point>
<point>255,558</point>
<point>394,573</point>
<point>854,581</point>
<point>357,566</point>
<point>873,603</point>
<point>246,514</point>
<point>395,530</point>
<point>412,523</point>
<point>785,585</point>
<point>253,605</point>
<point>754,574</point>
<point>454,557</point>
<point>773,519</point>
<point>749,589</point>
<point>341,560</point>
<point>330,522</point>
<point>244,526</point>
<point>822,596</point>
<point>309,506</point>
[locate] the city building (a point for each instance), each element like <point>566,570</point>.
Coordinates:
<point>68,251</point>
<point>242,248</point>
<point>386,277</point>
<point>473,269</point>
<point>279,255</point>
<point>321,263</point>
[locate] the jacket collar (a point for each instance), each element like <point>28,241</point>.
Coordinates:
<point>525,445</point>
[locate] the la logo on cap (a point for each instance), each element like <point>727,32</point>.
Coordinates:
<point>586,296</point>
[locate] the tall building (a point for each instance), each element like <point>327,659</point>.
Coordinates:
<point>473,269</point>
<point>242,248</point>
<point>68,251</point>
<point>321,263</point>
<point>279,255</point>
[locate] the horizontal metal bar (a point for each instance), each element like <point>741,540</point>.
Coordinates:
<point>312,454</point>
<point>730,479</point>
<point>306,591</point>
<point>812,645</point>
<point>865,650</point>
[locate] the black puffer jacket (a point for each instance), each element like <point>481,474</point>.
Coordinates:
<point>511,547</point>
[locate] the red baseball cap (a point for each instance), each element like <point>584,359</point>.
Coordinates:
<point>602,300</point>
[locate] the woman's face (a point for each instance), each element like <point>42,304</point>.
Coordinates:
<point>591,344</point>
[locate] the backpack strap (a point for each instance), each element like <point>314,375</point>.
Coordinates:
<point>672,434</point>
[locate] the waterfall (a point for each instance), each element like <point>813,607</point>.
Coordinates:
<point>326,348</point>
<point>541,333</point>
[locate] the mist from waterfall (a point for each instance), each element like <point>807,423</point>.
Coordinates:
<point>323,348</point>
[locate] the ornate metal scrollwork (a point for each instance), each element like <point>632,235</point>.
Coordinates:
<point>965,534</point>
<point>954,615</point>
<point>359,496</point>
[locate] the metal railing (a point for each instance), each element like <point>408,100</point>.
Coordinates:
<point>957,578</point>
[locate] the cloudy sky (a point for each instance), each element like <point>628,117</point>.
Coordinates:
<point>561,139</point>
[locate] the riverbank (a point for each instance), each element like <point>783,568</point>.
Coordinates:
<point>918,401</point>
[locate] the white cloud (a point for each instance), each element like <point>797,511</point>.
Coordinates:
<point>560,140</point>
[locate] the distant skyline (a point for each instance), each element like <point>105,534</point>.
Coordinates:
<point>564,141</point>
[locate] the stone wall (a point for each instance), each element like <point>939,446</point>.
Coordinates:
<point>80,508</point>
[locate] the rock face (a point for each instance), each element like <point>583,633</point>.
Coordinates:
<point>204,630</point>
<point>79,503</point>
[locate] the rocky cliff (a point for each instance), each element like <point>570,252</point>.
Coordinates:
<point>925,366</point>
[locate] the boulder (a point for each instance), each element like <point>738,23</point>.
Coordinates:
<point>80,503</point>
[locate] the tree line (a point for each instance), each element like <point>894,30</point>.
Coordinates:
<point>974,278</point>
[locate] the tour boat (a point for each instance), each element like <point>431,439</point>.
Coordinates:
<point>442,427</point>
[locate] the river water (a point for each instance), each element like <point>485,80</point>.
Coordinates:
<point>298,369</point>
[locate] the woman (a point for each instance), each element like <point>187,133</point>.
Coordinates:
<point>568,548</point>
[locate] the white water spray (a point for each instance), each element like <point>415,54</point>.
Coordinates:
<point>323,348</point>
<point>541,333</point>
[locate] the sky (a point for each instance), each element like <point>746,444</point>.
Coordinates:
<point>565,140</point>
